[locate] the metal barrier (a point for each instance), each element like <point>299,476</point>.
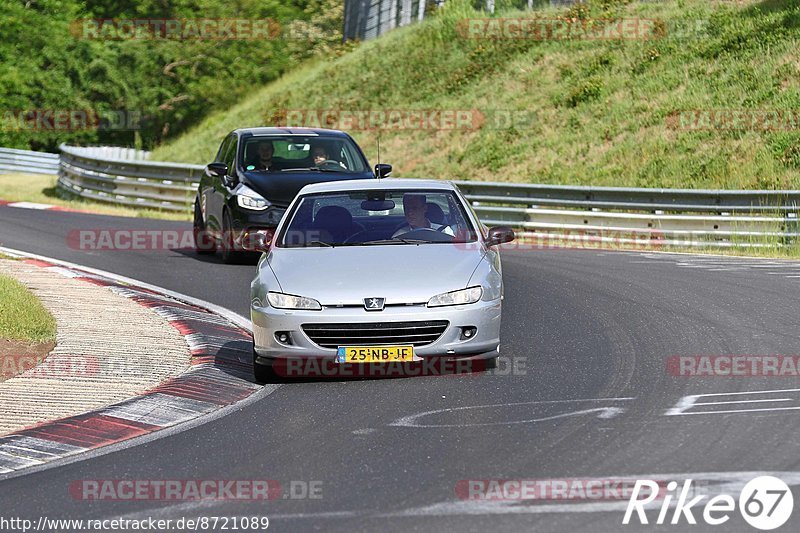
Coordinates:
<point>92,173</point>
<point>543,214</point>
<point>27,161</point>
<point>550,214</point>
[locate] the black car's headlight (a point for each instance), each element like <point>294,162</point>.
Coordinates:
<point>247,198</point>
<point>280,300</point>
<point>462,297</point>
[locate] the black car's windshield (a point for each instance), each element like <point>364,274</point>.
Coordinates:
<point>298,153</point>
<point>370,218</point>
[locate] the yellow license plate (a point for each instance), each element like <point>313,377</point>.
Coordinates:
<point>374,354</point>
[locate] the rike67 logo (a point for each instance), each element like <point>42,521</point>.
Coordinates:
<point>765,503</point>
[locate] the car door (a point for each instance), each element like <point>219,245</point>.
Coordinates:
<point>220,192</point>
<point>207,187</point>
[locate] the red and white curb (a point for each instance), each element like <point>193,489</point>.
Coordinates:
<point>220,375</point>
<point>38,206</point>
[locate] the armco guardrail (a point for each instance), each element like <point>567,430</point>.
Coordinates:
<point>549,213</point>
<point>679,217</point>
<point>93,173</point>
<point>27,161</point>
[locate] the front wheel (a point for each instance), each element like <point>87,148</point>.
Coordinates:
<point>204,244</point>
<point>230,255</point>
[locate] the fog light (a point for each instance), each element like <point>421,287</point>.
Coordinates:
<point>468,332</point>
<point>283,337</point>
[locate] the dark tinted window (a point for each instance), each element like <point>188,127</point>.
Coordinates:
<point>230,153</point>
<point>299,152</point>
<point>365,218</point>
<point>222,149</point>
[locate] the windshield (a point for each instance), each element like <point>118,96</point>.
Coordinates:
<point>367,218</point>
<point>294,153</point>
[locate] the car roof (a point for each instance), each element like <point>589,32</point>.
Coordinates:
<point>289,131</point>
<point>379,184</point>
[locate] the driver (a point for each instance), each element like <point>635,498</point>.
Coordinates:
<point>319,155</point>
<point>414,207</point>
<point>264,161</point>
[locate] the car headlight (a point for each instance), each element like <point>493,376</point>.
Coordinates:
<point>289,301</point>
<point>250,199</point>
<point>464,296</point>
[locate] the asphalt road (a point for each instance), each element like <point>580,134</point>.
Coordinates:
<point>588,334</point>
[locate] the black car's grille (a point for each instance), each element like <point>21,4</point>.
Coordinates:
<point>419,333</point>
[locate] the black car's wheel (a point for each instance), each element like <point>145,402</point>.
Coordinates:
<point>204,244</point>
<point>230,254</point>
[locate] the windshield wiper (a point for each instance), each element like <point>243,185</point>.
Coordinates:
<point>306,169</point>
<point>319,243</point>
<point>397,240</point>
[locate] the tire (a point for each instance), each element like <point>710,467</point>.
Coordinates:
<point>230,255</point>
<point>263,373</point>
<point>204,244</point>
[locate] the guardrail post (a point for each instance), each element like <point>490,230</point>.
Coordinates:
<point>790,228</point>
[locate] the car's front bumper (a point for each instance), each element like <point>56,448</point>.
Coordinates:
<point>485,316</point>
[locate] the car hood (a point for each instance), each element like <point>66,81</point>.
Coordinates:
<point>402,273</point>
<point>281,187</point>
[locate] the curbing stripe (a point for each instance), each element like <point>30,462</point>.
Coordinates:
<point>39,263</point>
<point>177,314</point>
<point>157,409</point>
<point>31,205</point>
<point>37,445</point>
<point>14,462</point>
<point>89,430</point>
<point>217,339</point>
<point>41,207</point>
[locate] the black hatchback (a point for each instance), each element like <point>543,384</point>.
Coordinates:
<point>257,172</point>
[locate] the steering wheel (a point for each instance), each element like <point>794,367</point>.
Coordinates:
<point>440,229</point>
<point>433,235</point>
<point>330,162</point>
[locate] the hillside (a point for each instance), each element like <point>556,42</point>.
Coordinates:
<point>588,111</point>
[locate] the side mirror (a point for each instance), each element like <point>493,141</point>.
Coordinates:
<point>383,170</point>
<point>217,169</point>
<point>257,241</point>
<point>499,235</point>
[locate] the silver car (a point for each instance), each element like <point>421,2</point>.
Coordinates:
<point>378,271</point>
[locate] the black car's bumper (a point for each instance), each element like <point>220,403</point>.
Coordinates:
<point>245,222</point>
